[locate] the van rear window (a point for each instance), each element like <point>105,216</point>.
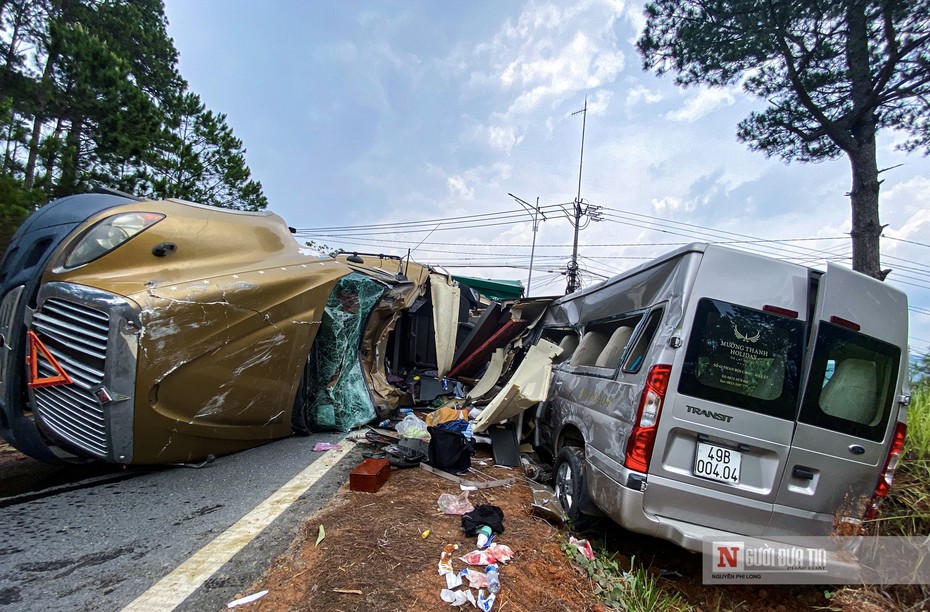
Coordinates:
<point>744,358</point>
<point>851,385</point>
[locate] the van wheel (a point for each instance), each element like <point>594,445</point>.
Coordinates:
<point>571,488</point>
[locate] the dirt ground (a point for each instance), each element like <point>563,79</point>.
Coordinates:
<point>374,557</point>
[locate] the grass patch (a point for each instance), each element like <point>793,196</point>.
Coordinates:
<point>633,590</point>
<point>906,511</point>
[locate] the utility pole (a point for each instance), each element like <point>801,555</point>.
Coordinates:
<point>535,216</point>
<point>573,264</point>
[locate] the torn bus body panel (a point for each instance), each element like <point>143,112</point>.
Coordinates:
<point>528,386</point>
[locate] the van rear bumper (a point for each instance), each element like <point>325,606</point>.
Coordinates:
<point>625,506</point>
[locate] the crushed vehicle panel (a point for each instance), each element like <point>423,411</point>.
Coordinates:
<point>185,339</point>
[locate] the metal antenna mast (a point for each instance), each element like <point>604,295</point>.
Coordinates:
<point>535,212</point>
<point>573,264</point>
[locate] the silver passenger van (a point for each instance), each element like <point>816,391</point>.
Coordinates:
<point>713,392</point>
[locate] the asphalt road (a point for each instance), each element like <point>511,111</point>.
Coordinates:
<point>96,538</point>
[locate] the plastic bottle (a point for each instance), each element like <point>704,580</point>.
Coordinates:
<point>494,581</point>
<point>484,536</point>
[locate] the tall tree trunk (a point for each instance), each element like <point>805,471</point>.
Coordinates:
<point>71,160</point>
<point>35,137</point>
<point>14,36</point>
<point>46,183</point>
<point>866,227</point>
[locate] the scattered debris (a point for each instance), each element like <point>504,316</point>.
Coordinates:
<point>545,503</point>
<point>424,535</point>
<point>454,504</point>
<point>583,546</point>
<point>412,427</point>
<point>472,484</point>
<point>320,535</point>
<point>540,578</point>
<point>445,559</point>
<point>485,603</point>
<point>457,598</point>
<point>246,600</point>
<point>484,515</point>
<point>492,554</point>
<point>320,447</point>
<point>476,580</point>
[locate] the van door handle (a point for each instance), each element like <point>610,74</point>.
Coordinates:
<point>803,473</point>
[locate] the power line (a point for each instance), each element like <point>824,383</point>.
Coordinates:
<point>427,222</point>
<point>907,241</point>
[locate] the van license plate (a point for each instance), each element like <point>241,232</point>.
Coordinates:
<point>717,463</point>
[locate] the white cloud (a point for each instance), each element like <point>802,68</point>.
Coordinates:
<point>503,138</point>
<point>905,207</point>
<point>640,94</point>
<point>460,189</point>
<point>549,52</point>
<point>666,205</point>
<point>579,65</point>
<point>705,102</point>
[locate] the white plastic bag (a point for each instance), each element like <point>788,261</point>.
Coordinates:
<point>454,504</point>
<point>412,427</point>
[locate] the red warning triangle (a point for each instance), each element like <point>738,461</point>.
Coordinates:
<point>32,365</point>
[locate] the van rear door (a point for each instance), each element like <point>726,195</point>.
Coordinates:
<point>849,406</point>
<point>726,426</point>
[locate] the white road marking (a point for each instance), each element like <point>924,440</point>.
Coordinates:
<point>170,591</point>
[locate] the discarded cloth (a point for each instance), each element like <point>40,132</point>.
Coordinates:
<point>492,516</point>
<point>443,415</point>
<point>460,425</point>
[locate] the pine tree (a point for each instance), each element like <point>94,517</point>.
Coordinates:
<point>90,94</point>
<point>833,71</point>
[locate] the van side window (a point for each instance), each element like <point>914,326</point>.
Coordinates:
<point>567,339</point>
<point>634,360</point>
<point>851,384</point>
<point>744,357</point>
<point>589,349</point>
<point>604,343</point>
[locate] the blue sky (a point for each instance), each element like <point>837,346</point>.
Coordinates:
<point>363,113</point>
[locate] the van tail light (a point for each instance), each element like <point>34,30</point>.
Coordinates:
<point>643,437</point>
<point>884,482</point>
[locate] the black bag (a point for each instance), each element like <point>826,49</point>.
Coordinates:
<point>449,451</point>
<point>492,516</point>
